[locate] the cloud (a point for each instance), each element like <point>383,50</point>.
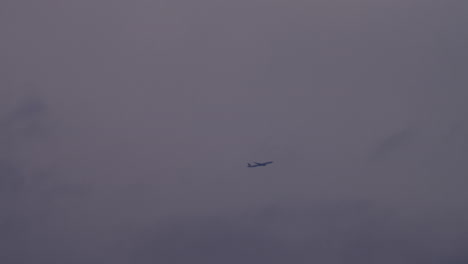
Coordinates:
<point>394,144</point>
<point>32,199</point>
<point>10,177</point>
<point>27,118</point>
<point>163,102</point>
<point>17,127</point>
<point>346,231</point>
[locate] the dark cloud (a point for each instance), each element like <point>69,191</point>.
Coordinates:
<point>10,177</point>
<point>29,109</point>
<point>26,120</point>
<point>32,197</point>
<point>25,116</point>
<point>346,231</point>
<point>396,144</point>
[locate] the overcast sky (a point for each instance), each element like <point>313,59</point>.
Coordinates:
<point>126,127</point>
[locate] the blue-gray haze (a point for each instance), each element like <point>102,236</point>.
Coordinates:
<point>126,128</point>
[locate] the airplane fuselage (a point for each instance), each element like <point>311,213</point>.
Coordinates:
<point>257,164</point>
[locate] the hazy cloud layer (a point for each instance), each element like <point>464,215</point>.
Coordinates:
<point>125,129</point>
<point>353,232</point>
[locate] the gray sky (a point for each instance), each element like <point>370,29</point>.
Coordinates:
<point>126,126</point>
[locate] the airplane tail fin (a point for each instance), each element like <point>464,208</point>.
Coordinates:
<point>248,165</point>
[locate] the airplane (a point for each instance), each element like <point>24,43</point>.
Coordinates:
<point>258,164</point>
